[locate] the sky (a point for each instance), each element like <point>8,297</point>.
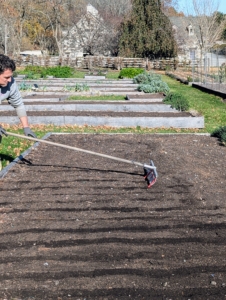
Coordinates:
<point>183,5</point>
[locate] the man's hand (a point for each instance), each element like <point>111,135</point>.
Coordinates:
<point>2,131</point>
<point>29,132</point>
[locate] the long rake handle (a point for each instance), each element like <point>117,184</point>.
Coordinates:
<point>81,150</point>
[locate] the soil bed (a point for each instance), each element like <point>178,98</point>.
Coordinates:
<point>146,95</point>
<point>78,226</point>
<point>45,96</point>
<point>100,114</point>
<point>104,102</point>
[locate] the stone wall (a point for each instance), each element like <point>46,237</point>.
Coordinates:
<point>90,62</point>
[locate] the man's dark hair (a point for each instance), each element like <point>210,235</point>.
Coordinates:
<point>6,63</point>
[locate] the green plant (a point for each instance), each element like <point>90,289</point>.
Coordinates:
<point>141,78</point>
<point>177,101</point>
<point>23,86</point>
<point>150,83</point>
<point>77,88</point>
<point>67,88</point>
<point>220,133</point>
<point>58,72</point>
<point>146,78</point>
<point>31,69</point>
<point>147,33</point>
<point>81,87</point>
<point>222,73</point>
<point>154,87</point>
<point>130,72</point>
<point>189,79</point>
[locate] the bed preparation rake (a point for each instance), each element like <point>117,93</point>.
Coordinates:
<point>150,173</point>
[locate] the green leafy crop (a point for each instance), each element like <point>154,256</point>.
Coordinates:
<point>130,72</point>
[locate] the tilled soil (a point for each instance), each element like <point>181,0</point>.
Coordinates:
<point>100,114</point>
<point>37,96</point>
<point>147,95</point>
<point>119,103</point>
<point>79,226</point>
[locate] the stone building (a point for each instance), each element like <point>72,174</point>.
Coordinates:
<point>84,38</point>
<point>186,36</point>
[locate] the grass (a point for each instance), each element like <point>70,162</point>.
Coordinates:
<point>210,106</point>
<point>78,74</point>
<point>111,74</point>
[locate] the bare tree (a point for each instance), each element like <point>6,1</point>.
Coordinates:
<point>55,16</point>
<point>14,14</point>
<point>208,28</point>
<point>112,14</point>
<point>113,8</point>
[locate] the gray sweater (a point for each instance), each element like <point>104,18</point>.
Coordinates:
<point>12,94</point>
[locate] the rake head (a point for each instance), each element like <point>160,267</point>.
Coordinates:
<point>150,175</point>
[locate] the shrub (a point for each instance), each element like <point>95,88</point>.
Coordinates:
<point>141,78</point>
<point>146,78</point>
<point>130,72</point>
<point>220,133</point>
<point>151,83</point>
<point>155,86</point>
<point>58,72</point>
<point>177,101</point>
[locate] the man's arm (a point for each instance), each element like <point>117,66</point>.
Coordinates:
<point>16,101</point>
<point>24,121</point>
<point>27,130</point>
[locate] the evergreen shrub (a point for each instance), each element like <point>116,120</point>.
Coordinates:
<point>147,32</point>
<point>156,86</point>
<point>146,78</point>
<point>220,133</point>
<point>151,83</point>
<point>130,72</point>
<point>177,101</point>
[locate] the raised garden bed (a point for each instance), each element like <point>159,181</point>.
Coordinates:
<point>112,119</point>
<point>101,113</point>
<point>95,77</point>
<point>100,106</point>
<point>214,89</point>
<point>146,96</point>
<point>77,226</point>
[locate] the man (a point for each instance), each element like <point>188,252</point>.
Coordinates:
<point>9,91</point>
